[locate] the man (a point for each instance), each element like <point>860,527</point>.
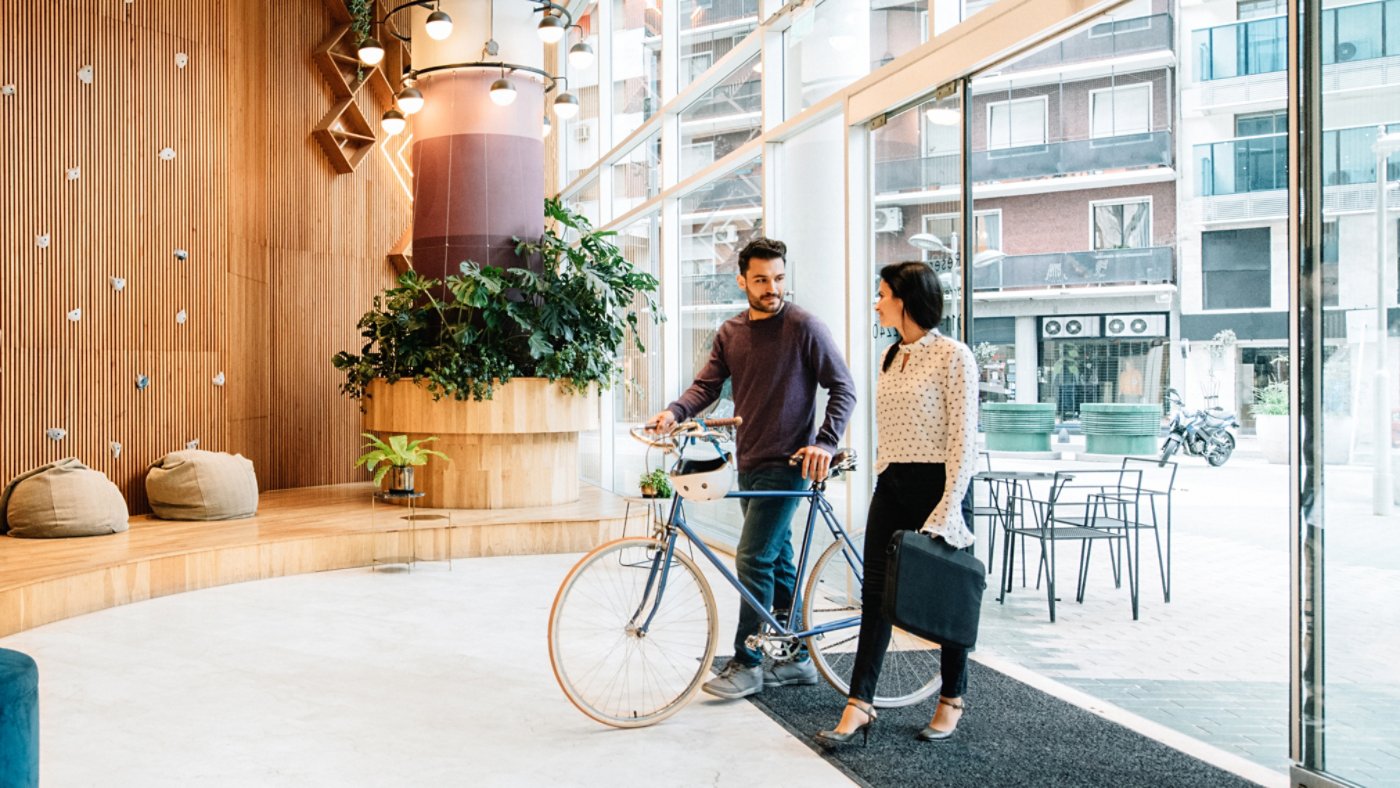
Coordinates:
<point>776,355</point>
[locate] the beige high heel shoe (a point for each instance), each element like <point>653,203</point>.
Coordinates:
<point>930,733</point>
<point>836,737</point>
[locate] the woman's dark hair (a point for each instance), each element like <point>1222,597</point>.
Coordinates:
<point>916,284</point>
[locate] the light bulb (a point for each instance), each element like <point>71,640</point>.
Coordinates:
<point>551,29</point>
<point>393,122</point>
<point>371,52</point>
<point>566,106</point>
<point>548,127</point>
<point>502,92</point>
<point>439,25</point>
<point>581,56</point>
<point>410,100</point>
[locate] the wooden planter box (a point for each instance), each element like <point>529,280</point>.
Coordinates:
<point>517,449</point>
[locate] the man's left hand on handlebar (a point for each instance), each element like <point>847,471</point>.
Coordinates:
<point>816,462</point>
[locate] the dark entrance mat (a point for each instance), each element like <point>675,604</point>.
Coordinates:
<point>1011,735</point>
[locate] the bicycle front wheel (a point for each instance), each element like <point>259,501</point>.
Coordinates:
<point>910,670</point>
<point>622,655</point>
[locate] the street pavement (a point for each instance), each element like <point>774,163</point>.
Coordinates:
<point>1214,662</point>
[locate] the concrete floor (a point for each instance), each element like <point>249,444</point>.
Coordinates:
<point>355,677</point>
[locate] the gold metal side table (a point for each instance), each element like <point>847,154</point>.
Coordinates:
<point>414,516</point>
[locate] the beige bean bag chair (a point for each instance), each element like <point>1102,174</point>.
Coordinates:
<point>202,485</point>
<point>64,498</point>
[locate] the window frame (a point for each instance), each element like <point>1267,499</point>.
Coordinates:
<point>1042,100</point>
<point>1094,205</point>
<point>1112,90</point>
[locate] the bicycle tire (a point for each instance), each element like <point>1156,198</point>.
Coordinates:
<point>910,670</point>
<point>643,679</point>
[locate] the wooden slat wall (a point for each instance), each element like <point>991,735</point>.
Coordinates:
<point>284,254</point>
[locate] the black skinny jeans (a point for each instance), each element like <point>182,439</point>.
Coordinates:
<point>905,495</point>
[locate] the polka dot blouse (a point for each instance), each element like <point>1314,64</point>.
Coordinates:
<point>926,411</point>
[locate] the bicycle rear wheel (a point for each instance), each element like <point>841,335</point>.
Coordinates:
<point>608,667</point>
<point>910,670</point>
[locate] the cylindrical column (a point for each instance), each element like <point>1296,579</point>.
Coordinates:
<point>478,166</point>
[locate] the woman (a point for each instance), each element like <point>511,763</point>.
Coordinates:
<point>926,412</point>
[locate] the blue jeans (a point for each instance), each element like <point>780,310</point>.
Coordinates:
<point>764,559</point>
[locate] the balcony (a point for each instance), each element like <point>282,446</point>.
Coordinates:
<point>1153,149</point>
<point>1260,46</point>
<point>1151,265</point>
<point>1257,164</point>
<point>1102,41</point>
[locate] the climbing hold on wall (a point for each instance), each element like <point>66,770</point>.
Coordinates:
<point>181,60</point>
<point>181,254</point>
<point>118,283</point>
<point>74,173</point>
<point>194,444</point>
<point>76,314</point>
<point>85,75</point>
<point>42,241</point>
<point>56,433</point>
<point>116,449</point>
<point>167,153</point>
<point>142,382</point>
<point>181,317</point>
<point>219,379</point>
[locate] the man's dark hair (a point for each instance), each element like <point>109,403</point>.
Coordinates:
<point>916,284</point>
<point>763,249</point>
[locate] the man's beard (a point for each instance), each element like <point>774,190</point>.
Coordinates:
<point>759,305</point>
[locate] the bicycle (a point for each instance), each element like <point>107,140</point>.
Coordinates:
<point>634,626</point>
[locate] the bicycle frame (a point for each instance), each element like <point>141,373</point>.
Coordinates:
<point>676,526</point>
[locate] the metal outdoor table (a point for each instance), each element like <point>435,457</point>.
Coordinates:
<point>1012,481</point>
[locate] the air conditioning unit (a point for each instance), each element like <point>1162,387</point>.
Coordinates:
<point>1069,327</point>
<point>1346,51</point>
<point>1135,325</point>
<point>889,220</point>
<point>727,234</point>
<point>583,131</point>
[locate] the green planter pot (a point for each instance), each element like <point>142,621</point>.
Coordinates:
<point>1119,428</point>
<point>1018,426</point>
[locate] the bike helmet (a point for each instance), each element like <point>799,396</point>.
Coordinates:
<point>703,480</point>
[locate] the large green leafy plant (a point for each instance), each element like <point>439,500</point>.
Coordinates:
<point>483,326</point>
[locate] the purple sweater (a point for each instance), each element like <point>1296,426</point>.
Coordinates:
<point>776,365</point>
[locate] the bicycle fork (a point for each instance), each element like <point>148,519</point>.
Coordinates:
<point>655,589</point>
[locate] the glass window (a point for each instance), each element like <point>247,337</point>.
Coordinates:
<point>1235,268</point>
<point>826,50</point>
<point>1257,123</point>
<point>717,219</point>
<point>1016,124</point>
<point>639,393</point>
<point>585,201</point>
<point>1249,9</point>
<point>1120,110</point>
<point>721,120</point>
<point>637,175</point>
<point>709,29</point>
<point>579,137</point>
<point>895,28</point>
<point>636,64</point>
<point>1122,225</point>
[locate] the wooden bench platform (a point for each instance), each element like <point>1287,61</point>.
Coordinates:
<point>311,529</point>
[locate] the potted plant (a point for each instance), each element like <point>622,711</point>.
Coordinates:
<point>503,362</point>
<point>396,458</point>
<point>655,484</point>
<point>1271,421</point>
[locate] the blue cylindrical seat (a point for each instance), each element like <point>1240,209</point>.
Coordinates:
<point>19,720</point>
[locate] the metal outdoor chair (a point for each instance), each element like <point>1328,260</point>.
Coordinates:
<point>993,512</point>
<point>1083,506</point>
<point>1158,482</point>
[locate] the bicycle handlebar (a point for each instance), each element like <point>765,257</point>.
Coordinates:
<point>695,428</point>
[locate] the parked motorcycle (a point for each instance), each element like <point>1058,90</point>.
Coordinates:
<point>1199,433</point>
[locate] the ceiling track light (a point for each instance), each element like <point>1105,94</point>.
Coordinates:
<point>439,25</point>
<point>393,122</point>
<point>371,52</point>
<point>551,28</point>
<point>409,100</point>
<point>502,92</point>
